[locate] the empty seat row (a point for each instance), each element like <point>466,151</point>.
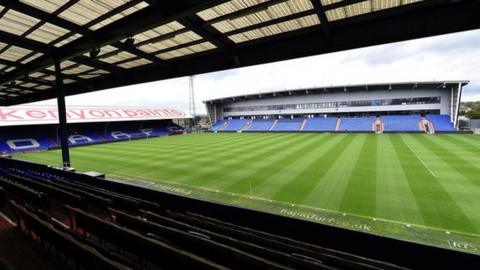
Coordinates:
<point>126,231</point>
<point>407,123</point>
<point>152,250</point>
<point>83,255</point>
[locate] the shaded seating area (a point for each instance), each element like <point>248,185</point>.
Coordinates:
<point>95,228</point>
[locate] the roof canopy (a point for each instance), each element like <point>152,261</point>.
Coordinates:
<point>392,86</point>
<point>110,43</point>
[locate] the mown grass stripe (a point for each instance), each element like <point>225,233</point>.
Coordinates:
<point>282,176</point>
<point>462,166</point>
<point>244,161</point>
<point>195,166</point>
<point>395,200</point>
<point>437,207</point>
<point>329,190</point>
<point>280,160</point>
<point>360,194</point>
<point>302,185</point>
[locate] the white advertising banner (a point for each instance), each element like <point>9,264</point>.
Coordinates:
<point>38,115</point>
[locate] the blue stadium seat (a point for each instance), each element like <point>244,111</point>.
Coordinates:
<point>235,124</point>
<point>357,124</point>
<point>286,124</point>
<point>218,125</point>
<point>401,122</point>
<point>261,125</point>
<point>321,124</point>
<point>441,122</point>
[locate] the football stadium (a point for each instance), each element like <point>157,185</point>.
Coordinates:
<point>353,176</point>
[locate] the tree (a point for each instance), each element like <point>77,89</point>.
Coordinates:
<point>472,110</point>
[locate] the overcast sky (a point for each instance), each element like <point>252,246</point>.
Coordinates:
<point>447,57</point>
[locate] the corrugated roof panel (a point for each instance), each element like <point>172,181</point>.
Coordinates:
<point>363,7</point>
<point>49,78</point>
<point>384,4</point>
<point>88,76</point>
<point>358,9</point>
<point>29,85</point>
<point>42,87</point>
<point>67,81</point>
<point>171,42</point>
<point>118,57</point>
<point>335,14</point>
<point>119,15</point>
<point>16,23</point>
<point>227,8</point>
<point>135,63</point>
<point>47,33</point>
<point>9,69</point>
<point>158,31</point>
<point>77,69</point>
<point>84,11</point>
<point>67,40</point>
<point>205,46</point>
<point>13,53</point>
<point>36,74</point>
<point>63,65</point>
<point>276,29</point>
<point>272,12</point>
<point>32,57</point>
<point>329,2</point>
<point>46,5</point>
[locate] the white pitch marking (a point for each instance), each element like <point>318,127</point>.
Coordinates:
<point>421,160</point>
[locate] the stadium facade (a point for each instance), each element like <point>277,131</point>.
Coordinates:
<point>431,106</point>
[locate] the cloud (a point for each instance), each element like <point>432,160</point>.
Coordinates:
<point>447,57</point>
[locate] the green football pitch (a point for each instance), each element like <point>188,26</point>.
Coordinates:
<point>416,187</point>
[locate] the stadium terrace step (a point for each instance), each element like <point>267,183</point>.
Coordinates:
<point>304,122</point>
<point>338,123</point>
<point>81,254</point>
<point>197,242</point>
<point>273,125</point>
<point>272,254</point>
<point>247,125</point>
<point>155,251</point>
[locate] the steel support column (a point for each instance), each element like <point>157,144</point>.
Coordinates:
<point>62,115</point>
